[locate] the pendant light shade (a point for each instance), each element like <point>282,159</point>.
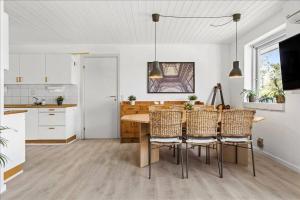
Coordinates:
<point>156,72</point>
<point>236,71</point>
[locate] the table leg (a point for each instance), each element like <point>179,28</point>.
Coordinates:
<point>143,147</point>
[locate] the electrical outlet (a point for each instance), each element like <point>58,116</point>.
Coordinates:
<point>260,142</point>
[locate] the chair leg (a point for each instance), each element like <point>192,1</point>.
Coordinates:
<point>178,154</point>
<point>186,160</point>
<point>181,160</point>
<point>236,154</point>
<point>207,154</point>
<point>221,176</point>
<point>174,151</point>
<point>199,151</point>
<point>218,160</point>
<point>253,164</point>
<point>149,156</point>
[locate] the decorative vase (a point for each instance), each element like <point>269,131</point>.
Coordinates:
<point>132,103</point>
<point>59,102</point>
<point>280,99</point>
<point>251,98</point>
<point>192,102</point>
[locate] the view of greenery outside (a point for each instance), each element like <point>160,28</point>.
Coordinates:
<point>269,84</point>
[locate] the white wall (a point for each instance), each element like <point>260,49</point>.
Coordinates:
<point>280,130</point>
<point>210,61</point>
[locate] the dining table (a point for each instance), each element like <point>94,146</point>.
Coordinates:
<point>143,121</point>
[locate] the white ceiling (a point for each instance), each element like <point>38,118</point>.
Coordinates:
<point>90,22</point>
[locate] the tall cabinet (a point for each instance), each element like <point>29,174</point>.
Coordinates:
<point>40,69</point>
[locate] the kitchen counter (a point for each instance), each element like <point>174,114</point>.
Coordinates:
<point>37,106</point>
<point>11,112</point>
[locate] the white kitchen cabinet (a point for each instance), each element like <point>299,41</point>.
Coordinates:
<point>59,69</point>
<point>11,76</point>
<point>31,124</point>
<point>32,69</point>
<point>5,41</point>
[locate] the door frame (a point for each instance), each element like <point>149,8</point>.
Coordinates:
<point>82,85</point>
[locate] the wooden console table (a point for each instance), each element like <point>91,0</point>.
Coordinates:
<point>143,124</point>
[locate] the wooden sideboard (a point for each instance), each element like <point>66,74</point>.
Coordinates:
<point>130,130</point>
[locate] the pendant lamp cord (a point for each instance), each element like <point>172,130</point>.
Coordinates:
<point>236,38</point>
<point>155,40</point>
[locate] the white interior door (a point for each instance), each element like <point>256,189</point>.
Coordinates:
<point>100,97</point>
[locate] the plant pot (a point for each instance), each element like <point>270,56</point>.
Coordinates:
<point>280,99</point>
<point>192,102</point>
<point>251,99</point>
<point>132,103</point>
<point>59,102</point>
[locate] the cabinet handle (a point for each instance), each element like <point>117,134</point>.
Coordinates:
<point>46,79</point>
<point>51,109</point>
<point>51,114</point>
<point>51,128</point>
<point>17,79</point>
<point>20,79</point>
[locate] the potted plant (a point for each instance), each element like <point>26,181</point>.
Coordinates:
<point>188,106</point>
<point>192,99</point>
<point>131,100</point>
<point>59,100</point>
<point>3,143</point>
<point>250,94</point>
<point>278,94</point>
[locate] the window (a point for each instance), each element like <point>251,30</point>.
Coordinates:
<point>266,70</point>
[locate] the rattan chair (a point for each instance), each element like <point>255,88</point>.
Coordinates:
<point>236,128</point>
<point>201,129</point>
<point>165,130</point>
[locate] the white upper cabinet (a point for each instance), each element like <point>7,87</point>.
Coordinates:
<point>5,41</point>
<point>32,69</point>
<point>59,69</point>
<point>12,76</point>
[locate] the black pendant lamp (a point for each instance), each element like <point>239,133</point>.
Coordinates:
<point>156,72</point>
<point>236,71</point>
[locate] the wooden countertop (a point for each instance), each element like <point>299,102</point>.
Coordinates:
<point>11,112</point>
<point>144,118</point>
<point>36,106</point>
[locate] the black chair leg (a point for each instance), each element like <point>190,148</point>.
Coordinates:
<point>207,154</point>
<point>253,164</point>
<point>222,157</point>
<point>149,156</point>
<point>199,151</point>
<point>178,154</point>
<point>186,160</point>
<point>174,151</point>
<point>236,154</point>
<point>218,160</point>
<point>181,160</point>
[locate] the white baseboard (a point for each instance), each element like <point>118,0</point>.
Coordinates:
<point>277,159</point>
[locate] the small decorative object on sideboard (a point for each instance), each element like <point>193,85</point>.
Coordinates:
<point>250,94</point>
<point>59,100</point>
<point>192,99</point>
<point>132,99</point>
<point>188,106</point>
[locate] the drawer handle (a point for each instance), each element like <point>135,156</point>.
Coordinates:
<point>51,128</point>
<point>51,109</point>
<point>51,114</point>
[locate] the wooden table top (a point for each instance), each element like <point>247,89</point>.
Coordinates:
<point>11,112</point>
<point>144,118</point>
<point>39,106</point>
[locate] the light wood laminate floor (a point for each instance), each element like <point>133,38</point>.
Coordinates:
<point>106,169</point>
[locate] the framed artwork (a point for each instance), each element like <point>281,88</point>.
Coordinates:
<point>178,77</point>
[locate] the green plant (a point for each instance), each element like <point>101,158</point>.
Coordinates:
<point>192,97</point>
<point>248,93</point>
<point>60,98</point>
<point>131,98</point>
<point>188,106</point>
<point>3,143</point>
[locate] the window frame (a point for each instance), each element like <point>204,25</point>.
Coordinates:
<point>255,48</point>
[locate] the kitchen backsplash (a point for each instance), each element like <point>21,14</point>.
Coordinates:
<point>23,94</point>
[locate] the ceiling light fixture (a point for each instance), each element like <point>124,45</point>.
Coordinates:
<point>236,71</point>
<point>156,72</point>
